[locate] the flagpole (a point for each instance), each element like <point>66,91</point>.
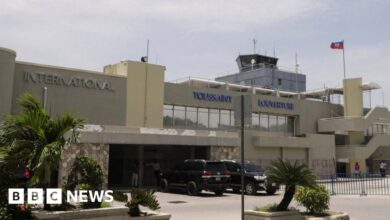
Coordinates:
<point>344,58</point>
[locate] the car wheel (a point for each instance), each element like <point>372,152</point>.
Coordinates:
<point>250,188</point>
<point>192,188</point>
<point>219,192</point>
<point>164,185</point>
<point>271,191</point>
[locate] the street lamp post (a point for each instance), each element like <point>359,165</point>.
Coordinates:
<point>242,159</point>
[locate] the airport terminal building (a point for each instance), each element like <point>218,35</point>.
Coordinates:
<point>134,117</point>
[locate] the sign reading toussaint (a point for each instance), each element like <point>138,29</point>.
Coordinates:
<point>211,97</point>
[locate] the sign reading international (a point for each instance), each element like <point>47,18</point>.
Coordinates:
<point>275,104</point>
<point>69,81</point>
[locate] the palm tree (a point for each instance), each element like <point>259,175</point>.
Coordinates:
<point>290,175</point>
<point>34,139</point>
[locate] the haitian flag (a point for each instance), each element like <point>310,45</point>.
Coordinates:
<point>337,45</point>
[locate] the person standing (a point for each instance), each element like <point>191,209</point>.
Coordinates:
<point>157,171</point>
<point>134,179</point>
<point>357,169</point>
<point>382,168</point>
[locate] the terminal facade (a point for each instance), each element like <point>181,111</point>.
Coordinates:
<point>133,118</point>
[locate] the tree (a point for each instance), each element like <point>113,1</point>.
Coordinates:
<point>34,139</point>
<point>290,175</point>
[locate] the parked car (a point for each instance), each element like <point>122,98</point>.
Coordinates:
<point>195,176</point>
<point>255,178</point>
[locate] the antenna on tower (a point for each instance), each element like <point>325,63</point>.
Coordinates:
<point>274,53</point>
<point>296,63</point>
<point>147,50</point>
<point>145,59</point>
<point>296,72</point>
<point>254,45</point>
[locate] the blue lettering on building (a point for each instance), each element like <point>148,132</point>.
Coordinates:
<point>275,104</point>
<point>210,97</point>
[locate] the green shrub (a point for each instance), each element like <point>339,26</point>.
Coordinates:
<point>85,170</point>
<point>142,197</point>
<point>315,200</point>
<point>5,213</point>
<point>89,204</point>
<point>88,175</point>
<point>120,196</point>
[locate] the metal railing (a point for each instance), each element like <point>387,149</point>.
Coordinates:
<point>362,184</point>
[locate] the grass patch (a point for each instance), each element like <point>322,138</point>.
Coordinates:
<point>268,208</point>
<point>105,205</point>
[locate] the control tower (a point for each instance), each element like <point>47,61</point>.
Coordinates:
<point>263,71</point>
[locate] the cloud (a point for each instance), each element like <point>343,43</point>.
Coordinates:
<point>197,16</point>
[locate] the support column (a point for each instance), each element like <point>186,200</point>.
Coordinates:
<point>140,165</point>
<point>353,107</point>
<point>192,154</point>
<point>308,157</point>
<point>282,153</point>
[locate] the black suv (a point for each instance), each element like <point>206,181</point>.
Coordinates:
<point>195,176</point>
<point>254,179</point>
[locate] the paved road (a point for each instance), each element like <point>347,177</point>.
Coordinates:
<point>227,207</point>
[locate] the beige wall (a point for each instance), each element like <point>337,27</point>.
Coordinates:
<point>353,97</point>
<point>7,65</point>
<point>353,101</point>
<point>144,94</point>
<point>96,106</point>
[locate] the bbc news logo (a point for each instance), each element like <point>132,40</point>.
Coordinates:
<point>35,196</point>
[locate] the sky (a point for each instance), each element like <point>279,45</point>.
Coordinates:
<point>203,38</point>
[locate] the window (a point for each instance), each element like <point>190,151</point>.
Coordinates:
<point>179,116</point>
<point>224,119</point>
<point>255,121</point>
<point>191,117</point>
<point>203,118</point>
<point>214,118</point>
<point>168,115</point>
<point>273,124</point>
<point>282,124</point>
<point>290,125</point>
<point>264,122</point>
<point>279,81</point>
<point>232,121</point>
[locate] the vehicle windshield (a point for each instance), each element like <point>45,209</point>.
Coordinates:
<point>250,167</point>
<point>215,166</point>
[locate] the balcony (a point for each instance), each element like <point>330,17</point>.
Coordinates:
<point>287,141</point>
<point>363,151</point>
<point>344,124</point>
